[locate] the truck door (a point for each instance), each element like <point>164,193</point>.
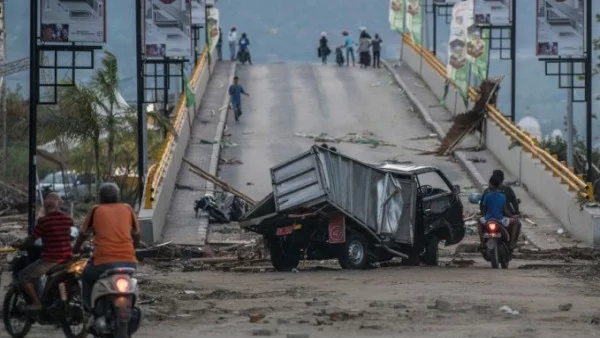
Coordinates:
<point>441,207</point>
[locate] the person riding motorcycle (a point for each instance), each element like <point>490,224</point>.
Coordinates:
<point>494,206</point>
<point>54,229</point>
<point>511,197</point>
<point>116,231</point>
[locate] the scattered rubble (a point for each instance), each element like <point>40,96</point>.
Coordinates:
<point>366,137</point>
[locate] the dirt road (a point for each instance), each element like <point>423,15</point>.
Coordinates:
<point>385,302</point>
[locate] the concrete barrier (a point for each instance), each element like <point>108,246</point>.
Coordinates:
<point>161,187</point>
<point>543,179</point>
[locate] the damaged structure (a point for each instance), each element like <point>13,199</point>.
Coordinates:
<point>327,205</point>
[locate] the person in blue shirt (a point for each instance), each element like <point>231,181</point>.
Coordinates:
<point>349,45</point>
<point>494,206</point>
<point>235,93</point>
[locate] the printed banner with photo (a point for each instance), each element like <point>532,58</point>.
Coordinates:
<point>560,28</point>
<point>397,15</point>
<point>492,12</point>
<point>457,69</point>
<point>477,44</point>
<point>212,22</point>
<point>73,21</point>
<point>414,20</point>
<point>198,12</point>
<point>167,27</point>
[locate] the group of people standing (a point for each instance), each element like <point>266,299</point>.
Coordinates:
<point>365,45</point>
<point>243,53</point>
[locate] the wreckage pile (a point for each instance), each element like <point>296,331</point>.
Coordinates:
<point>471,121</point>
<point>12,200</point>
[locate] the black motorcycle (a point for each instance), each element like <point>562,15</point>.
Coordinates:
<point>339,56</point>
<point>59,291</point>
<point>243,56</point>
<point>228,208</point>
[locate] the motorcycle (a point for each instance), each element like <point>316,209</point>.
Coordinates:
<point>339,56</point>
<point>60,293</point>
<point>114,297</point>
<point>496,241</point>
<point>226,209</point>
<point>243,56</point>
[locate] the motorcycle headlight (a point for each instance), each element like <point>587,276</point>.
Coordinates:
<point>76,268</point>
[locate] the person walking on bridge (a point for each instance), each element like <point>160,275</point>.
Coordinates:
<point>364,47</point>
<point>349,45</point>
<point>232,39</point>
<point>235,93</point>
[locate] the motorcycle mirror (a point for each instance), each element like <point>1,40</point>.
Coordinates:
<point>456,189</point>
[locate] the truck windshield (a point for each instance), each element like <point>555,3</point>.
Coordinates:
<point>434,179</point>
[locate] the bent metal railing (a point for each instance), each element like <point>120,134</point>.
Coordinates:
<point>530,144</point>
<point>158,169</point>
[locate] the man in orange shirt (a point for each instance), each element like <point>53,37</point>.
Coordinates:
<point>116,231</point>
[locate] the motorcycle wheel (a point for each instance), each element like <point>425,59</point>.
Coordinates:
<point>11,310</point>
<point>493,254</point>
<point>121,330</point>
<point>74,315</point>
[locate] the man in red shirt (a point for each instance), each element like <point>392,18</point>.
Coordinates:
<point>55,231</point>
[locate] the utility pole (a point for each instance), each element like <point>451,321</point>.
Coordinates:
<point>3,92</point>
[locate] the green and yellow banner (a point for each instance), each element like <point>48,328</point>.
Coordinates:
<point>414,20</point>
<point>212,23</point>
<point>397,14</point>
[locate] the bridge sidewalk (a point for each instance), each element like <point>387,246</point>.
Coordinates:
<point>182,226</point>
<point>480,164</point>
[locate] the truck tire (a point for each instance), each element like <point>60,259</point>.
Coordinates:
<point>355,253</point>
<point>431,255</point>
<point>284,256</point>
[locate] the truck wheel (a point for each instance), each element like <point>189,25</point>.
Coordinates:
<point>431,255</point>
<point>355,253</point>
<point>284,256</point>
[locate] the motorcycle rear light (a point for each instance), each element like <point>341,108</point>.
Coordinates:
<point>122,285</point>
<point>492,227</point>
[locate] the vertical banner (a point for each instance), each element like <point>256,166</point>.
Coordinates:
<point>477,48</point>
<point>73,21</point>
<point>560,28</point>
<point>457,68</point>
<point>167,28</point>
<point>212,22</point>
<point>414,20</point>
<point>397,14</point>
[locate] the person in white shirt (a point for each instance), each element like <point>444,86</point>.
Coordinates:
<point>232,38</point>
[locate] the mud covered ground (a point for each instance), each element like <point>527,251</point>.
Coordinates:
<point>463,297</point>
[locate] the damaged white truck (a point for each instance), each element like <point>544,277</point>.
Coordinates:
<point>326,205</point>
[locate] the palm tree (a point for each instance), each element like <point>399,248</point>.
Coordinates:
<point>106,83</point>
<point>75,119</point>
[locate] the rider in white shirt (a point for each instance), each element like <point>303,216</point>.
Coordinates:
<point>232,38</point>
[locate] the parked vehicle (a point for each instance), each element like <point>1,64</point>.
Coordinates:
<point>327,205</point>
<point>59,182</point>
<point>339,56</point>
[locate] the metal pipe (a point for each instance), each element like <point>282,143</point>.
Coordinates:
<point>434,49</point>
<point>166,75</point>
<point>206,35</point>
<point>513,62</point>
<point>33,101</point>
<point>588,87</point>
<point>141,112</point>
<point>570,162</point>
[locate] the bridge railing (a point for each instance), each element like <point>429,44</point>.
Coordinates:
<point>157,171</point>
<point>529,144</point>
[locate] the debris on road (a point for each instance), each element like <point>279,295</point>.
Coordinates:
<point>565,307</point>
<point>441,305</point>
<point>230,161</point>
<point>366,137</point>
<point>507,310</point>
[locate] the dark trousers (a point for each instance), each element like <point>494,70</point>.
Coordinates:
<point>92,273</point>
<point>349,52</point>
<point>376,59</point>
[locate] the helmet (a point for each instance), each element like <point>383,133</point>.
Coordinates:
<point>323,34</point>
<point>344,32</point>
<point>108,193</point>
<point>233,28</point>
<point>474,198</point>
